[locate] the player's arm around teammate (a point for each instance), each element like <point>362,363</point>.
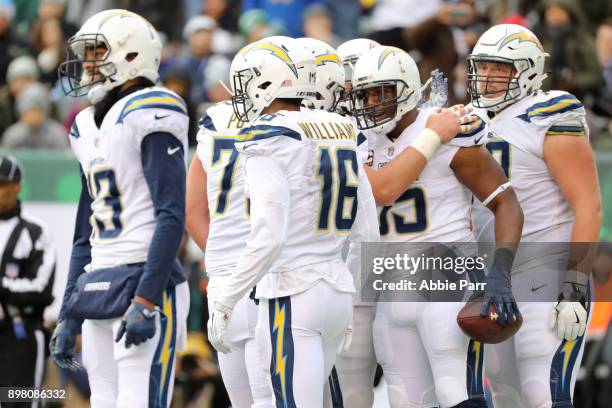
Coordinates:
<point>477,169</point>
<point>391,181</point>
<point>571,162</point>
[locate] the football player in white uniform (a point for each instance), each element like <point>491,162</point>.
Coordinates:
<point>130,145</point>
<point>349,52</point>
<point>329,89</point>
<point>426,358</point>
<point>306,196</point>
<point>357,366</point>
<point>541,139</point>
<point>218,221</point>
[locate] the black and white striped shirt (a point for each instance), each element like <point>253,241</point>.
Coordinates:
<point>27,267</point>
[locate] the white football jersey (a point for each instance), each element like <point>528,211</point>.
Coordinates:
<point>317,150</point>
<point>436,208</point>
<point>516,139</point>
<point>227,202</point>
<point>123,217</point>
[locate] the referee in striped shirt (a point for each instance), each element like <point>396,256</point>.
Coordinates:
<point>27,270</point>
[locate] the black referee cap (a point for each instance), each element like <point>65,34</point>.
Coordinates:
<point>9,169</point>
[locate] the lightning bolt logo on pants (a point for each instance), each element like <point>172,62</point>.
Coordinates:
<point>567,352</point>
<point>474,368</point>
<point>281,359</point>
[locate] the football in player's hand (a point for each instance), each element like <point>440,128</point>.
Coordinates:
<point>485,329</point>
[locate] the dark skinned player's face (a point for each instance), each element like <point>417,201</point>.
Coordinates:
<point>377,95</point>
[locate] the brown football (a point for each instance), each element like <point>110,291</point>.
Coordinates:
<point>485,329</point>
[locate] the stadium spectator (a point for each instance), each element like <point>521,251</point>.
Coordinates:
<point>425,28</point>
<point>198,33</point>
<point>11,44</point>
<point>226,38</point>
<point>216,71</point>
<point>178,79</point>
<point>318,25</point>
<point>603,43</point>
<point>596,12</point>
<point>602,108</point>
<point>34,128</point>
<point>498,12</point>
<point>602,266</point>
<point>224,12</point>
<point>346,15</point>
<point>289,13</point>
<point>255,25</point>
<point>51,9</point>
<point>164,15</point>
<point>54,10</point>
<point>78,11</point>
<point>572,65</point>
<point>22,71</point>
<point>49,44</point>
<point>26,11</point>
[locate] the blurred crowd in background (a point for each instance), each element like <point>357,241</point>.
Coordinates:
<point>200,38</point>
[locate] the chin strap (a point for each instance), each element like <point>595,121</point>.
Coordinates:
<point>96,94</point>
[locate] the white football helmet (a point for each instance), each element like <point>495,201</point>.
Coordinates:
<point>133,50</point>
<point>273,68</point>
<point>386,85</point>
<point>349,52</point>
<point>330,75</point>
<point>508,44</point>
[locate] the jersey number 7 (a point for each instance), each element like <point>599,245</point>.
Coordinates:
<point>221,145</point>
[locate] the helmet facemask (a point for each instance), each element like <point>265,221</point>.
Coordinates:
<point>334,92</point>
<point>495,92</point>
<point>251,96</point>
<point>241,103</point>
<point>389,97</point>
<point>86,65</point>
<point>343,107</point>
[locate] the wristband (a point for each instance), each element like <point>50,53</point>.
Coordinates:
<point>426,143</point>
<point>494,194</point>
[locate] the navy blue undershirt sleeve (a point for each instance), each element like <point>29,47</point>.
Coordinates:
<point>164,169</point>
<point>81,247</point>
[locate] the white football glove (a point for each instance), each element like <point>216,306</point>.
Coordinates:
<point>347,339</point>
<point>569,314</point>
<point>217,327</point>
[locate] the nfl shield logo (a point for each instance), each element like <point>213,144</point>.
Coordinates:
<point>391,151</point>
<point>12,270</point>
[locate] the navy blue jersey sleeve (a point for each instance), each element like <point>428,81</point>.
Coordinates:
<point>81,247</point>
<point>164,169</point>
